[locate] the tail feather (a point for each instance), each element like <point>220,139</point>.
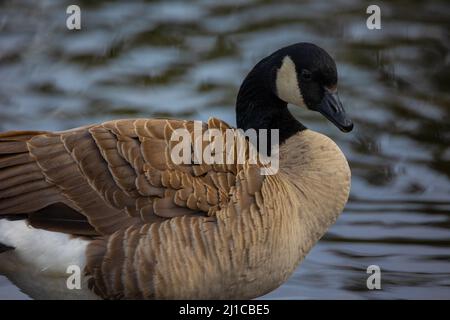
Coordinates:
<point>19,135</point>
<point>23,187</point>
<point>15,171</point>
<point>13,147</point>
<point>10,160</point>
<point>13,177</point>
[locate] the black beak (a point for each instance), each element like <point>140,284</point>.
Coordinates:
<point>331,107</point>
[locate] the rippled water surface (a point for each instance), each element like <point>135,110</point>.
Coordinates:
<point>187,59</point>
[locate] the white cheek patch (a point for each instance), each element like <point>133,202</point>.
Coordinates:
<point>288,88</point>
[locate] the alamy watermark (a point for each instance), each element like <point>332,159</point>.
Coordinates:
<point>374,280</point>
<point>73,281</point>
<point>374,20</point>
<point>231,146</point>
<point>73,21</point>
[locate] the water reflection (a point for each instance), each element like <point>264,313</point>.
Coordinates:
<point>175,59</point>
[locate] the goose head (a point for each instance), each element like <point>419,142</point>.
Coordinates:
<point>301,74</point>
<point>307,77</point>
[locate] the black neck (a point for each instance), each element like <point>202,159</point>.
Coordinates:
<point>257,107</point>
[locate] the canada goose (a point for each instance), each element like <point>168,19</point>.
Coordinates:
<point>108,199</point>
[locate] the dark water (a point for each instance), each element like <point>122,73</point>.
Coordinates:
<point>174,59</point>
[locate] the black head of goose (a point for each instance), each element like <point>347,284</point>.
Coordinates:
<point>156,229</point>
<point>302,74</point>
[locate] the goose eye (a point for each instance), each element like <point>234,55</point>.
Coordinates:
<point>306,75</point>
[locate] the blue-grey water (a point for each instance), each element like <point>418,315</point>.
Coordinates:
<point>186,60</point>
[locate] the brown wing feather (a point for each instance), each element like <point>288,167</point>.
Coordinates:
<point>116,174</point>
<point>67,159</point>
<point>23,187</point>
<point>138,152</point>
